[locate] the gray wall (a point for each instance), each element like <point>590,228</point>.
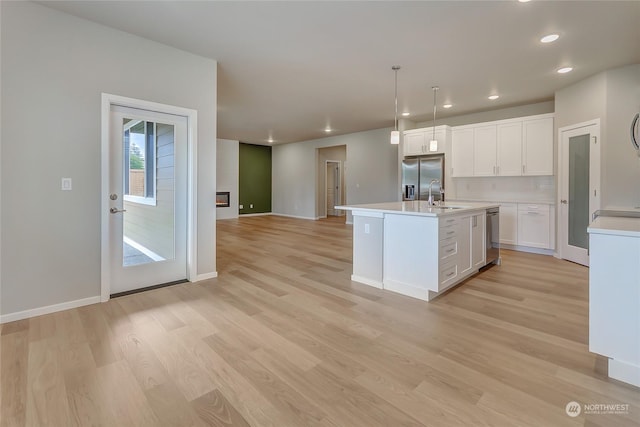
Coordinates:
<point>371,171</point>
<point>227,174</point>
<point>612,96</point>
<point>54,69</point>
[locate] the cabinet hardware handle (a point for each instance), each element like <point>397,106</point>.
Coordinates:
<point>522,168</point>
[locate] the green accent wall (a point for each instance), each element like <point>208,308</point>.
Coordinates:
<point>255,178</point>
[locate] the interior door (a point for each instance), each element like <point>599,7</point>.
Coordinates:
<point>579,189</point>
<point>333,187</point>
<point>148,198</point>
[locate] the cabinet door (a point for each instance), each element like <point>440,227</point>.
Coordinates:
<point>462,152</point>
<point>464,246</point>
<point>533,226</point>
<point>537,146</point>
<point>484,151</point>
<point>509,156</point>
<point>478,237</point>
<point>414,143</point>
<point>509,223</point>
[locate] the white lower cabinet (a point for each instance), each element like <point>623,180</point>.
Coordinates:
<point>534,227</point>
<point>464,251</point>
<point>478,241</point>
<point>509,223</point>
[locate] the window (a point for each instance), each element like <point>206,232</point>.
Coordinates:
<point>139,161</point>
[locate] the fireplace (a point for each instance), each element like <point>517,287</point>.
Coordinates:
<point>222,199</point>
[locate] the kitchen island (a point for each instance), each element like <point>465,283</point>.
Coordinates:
<point>416,249</point>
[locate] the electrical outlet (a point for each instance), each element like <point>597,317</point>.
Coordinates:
<point>66,184</point>
<point>241,206</point>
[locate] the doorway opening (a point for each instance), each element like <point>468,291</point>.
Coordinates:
<point>331,181</point>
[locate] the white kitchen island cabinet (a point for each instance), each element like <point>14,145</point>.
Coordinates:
<point>614,295</point>
<point>423,250</point>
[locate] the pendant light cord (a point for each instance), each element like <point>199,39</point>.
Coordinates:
<point>396,68</point>
<point>435,89</point>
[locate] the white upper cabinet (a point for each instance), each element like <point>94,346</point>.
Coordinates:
<point>537,146</point>
<point>417,142</point>
<point>462,152</point>
<point>509,153</point>
<point>484,151</point>
<point>513,147</point>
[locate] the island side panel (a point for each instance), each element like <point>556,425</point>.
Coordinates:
<point>411,254</point>
<point>367,248</point>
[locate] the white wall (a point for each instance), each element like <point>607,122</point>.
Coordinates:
<point>371,171</point>
<point>228,175</point>
<point>613,96</point>
<point>54,69</point>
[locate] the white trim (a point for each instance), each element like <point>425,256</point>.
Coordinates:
<point>146,251</point>
<point>11,317</point>
<point>528,249</point>
<point>192,221</point>
<point>254,214</point>
<point>406,289</point>
<point>294,216</point>
<point>205,276</point>
<point>369,282</point>
<point>624,371</point>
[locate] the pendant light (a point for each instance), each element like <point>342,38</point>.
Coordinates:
<point>395,134</point>
<point>433,144</point>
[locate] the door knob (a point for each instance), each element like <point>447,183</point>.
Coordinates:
<point>563,201</point>
<point>116,210</point>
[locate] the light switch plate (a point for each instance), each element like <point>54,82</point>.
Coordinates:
<point>241,206</point>
<point>66,184</point>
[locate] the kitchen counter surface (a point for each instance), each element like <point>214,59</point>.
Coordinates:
<point>524,201</point>
<point>619,226</point>
<point>420,208</point>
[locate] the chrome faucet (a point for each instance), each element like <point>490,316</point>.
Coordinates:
<point>430,199</point>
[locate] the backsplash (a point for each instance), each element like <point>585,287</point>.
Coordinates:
<point>516,188</point>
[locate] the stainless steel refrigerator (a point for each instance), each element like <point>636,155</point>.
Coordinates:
<point>419,172</point>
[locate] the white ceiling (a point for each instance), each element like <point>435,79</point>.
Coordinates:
<point>289,69</point>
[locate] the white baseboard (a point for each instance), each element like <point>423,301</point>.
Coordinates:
<point>405,289</point>
<point>205,276</point>
<point>366,281</point>
<point>256,214</point>
<point>623,371</point>
<point>295,216</point>
<point>12,317</point>
<point>528,249</point>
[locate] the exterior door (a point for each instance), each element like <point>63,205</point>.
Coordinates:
<point>579,189</point>
<point>147,227</point>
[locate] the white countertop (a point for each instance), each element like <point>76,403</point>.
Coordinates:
<point>420,208</point>
<point>618,226</point>
<point>523,201</point>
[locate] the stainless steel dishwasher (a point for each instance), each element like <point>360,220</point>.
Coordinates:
<point>493,236</point>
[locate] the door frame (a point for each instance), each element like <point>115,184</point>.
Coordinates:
<point>595,178</point>
<point>326,163</point>
<point>192,160</point>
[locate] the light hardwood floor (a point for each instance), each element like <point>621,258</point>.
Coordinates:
<point>283,338</point>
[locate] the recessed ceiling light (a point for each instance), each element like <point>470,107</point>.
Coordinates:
<point>270,140</point>
<point>327,129</point>
<point>524,1</point>
<point>550,38</point>
<point>447,106</point>
<point>406,113</point>
<point>494,97</point>
<point>564,70</point>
